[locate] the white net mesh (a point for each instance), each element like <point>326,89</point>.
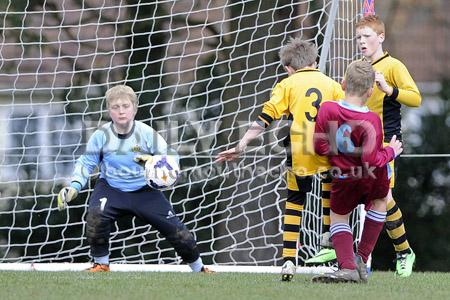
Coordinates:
<point>202,70</point>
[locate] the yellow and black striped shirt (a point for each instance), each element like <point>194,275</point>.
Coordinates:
<point>299,97</point>
<point>405,92</point>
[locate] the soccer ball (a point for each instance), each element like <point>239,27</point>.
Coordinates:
<point>162,171</point>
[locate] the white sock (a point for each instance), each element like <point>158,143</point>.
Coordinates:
<point>103,260</point>
<point>197,265</point>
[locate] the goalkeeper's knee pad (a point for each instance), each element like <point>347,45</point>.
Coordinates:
<point>98,229</point>
<point>184,244</point>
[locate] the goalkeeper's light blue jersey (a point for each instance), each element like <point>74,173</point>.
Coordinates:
<point>114,154</point>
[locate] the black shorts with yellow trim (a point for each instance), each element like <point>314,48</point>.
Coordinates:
<point>303,183</point>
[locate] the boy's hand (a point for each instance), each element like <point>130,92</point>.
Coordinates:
<point>396,145</point>
<point>228,155</point>
<point>382,84</point>
<point>66,195</point>
<point>143,158</point>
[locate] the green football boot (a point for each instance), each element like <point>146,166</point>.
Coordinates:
<point>324,256</point>
<point>405,263</point>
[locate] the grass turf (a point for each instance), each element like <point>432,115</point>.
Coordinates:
<point>122,285</point>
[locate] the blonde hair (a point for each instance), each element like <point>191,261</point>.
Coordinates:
<point>359,78</point>
<point>372,21</point>
<point>120,91</point>
<point>298,53</point>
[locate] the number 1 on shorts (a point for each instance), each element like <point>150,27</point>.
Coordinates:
<point>103,203</point>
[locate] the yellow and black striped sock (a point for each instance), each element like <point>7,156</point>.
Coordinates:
<point>292,223</point>
<point>326,190</point>
<point>395,228</point>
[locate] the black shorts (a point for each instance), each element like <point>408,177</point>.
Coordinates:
<point>148,204</point>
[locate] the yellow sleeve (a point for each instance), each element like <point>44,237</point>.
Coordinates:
<point>278,105</point>
<point>408,93</point>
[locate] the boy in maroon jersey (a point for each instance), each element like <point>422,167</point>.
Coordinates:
<point>352,138</point>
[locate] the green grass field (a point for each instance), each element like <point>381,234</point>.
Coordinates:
<point>148,285</point>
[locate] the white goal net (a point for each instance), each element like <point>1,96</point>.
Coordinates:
<point>202,70</point>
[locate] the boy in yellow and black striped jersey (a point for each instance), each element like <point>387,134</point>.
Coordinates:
<point>394,87</point>
<point>298,97</point>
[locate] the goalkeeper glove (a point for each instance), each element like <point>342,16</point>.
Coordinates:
<point>66,195</point>
<point>143,158</point>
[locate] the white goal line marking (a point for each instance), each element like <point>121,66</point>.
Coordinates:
<point>60,267</point>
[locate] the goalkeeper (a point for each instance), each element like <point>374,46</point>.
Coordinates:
<point>394,88</point>
<point>121,190</point>
<point>299,98</point>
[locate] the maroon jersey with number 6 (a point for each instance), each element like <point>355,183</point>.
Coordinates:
<point>352,138</point>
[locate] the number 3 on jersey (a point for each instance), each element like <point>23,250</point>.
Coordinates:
<point>315,103</point>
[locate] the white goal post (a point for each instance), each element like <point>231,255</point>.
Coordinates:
<point>202,70</point>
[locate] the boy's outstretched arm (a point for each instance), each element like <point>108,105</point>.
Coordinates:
<point>273,109</point>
